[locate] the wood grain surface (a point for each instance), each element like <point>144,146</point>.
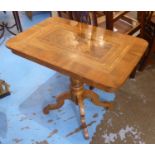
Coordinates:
<point>93,55</point>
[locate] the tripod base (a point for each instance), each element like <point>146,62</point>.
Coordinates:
<point>77,94</point>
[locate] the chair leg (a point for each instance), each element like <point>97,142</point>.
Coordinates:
<point>109,21</point>
<point>70,15</point>
<point>144,60</point>
<point>133,74</point>
<point>94,16</point>
<point>152,50</point>
<point>17,21</point>
<point>59,14</point>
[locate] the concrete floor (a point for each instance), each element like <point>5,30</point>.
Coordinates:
<point>133,118</point>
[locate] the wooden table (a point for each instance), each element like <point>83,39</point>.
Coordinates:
<point>87,54</point>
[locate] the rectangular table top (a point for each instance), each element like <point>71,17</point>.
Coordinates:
<point>96,56</point>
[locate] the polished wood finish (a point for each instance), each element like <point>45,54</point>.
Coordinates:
<point>93,55</point>
<point>77,94</point>
<point>88,54</point>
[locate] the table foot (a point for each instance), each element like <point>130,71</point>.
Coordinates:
<point>60,102</point>
<point>82,115</point>
<point>78,94</point>
<point>96,99</point>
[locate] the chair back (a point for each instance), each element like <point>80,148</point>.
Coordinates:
<point>81,16</point>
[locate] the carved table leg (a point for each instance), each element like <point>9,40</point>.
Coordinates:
<point>78,94</point>
<point>60,102</point>
<point>77,91</point>
<point>82,114</point>
<point>95,99</point>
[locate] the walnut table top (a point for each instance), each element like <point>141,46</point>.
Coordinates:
<point>93,55</point>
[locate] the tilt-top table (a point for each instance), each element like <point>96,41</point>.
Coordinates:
<point>87,54</point>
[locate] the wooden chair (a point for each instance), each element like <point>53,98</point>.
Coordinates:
<point>98,17</point>
<point>149,35</point>
<point>88,17</point>
<point>134,24</point>
<point>65,14</point>
<point>81,16</point>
